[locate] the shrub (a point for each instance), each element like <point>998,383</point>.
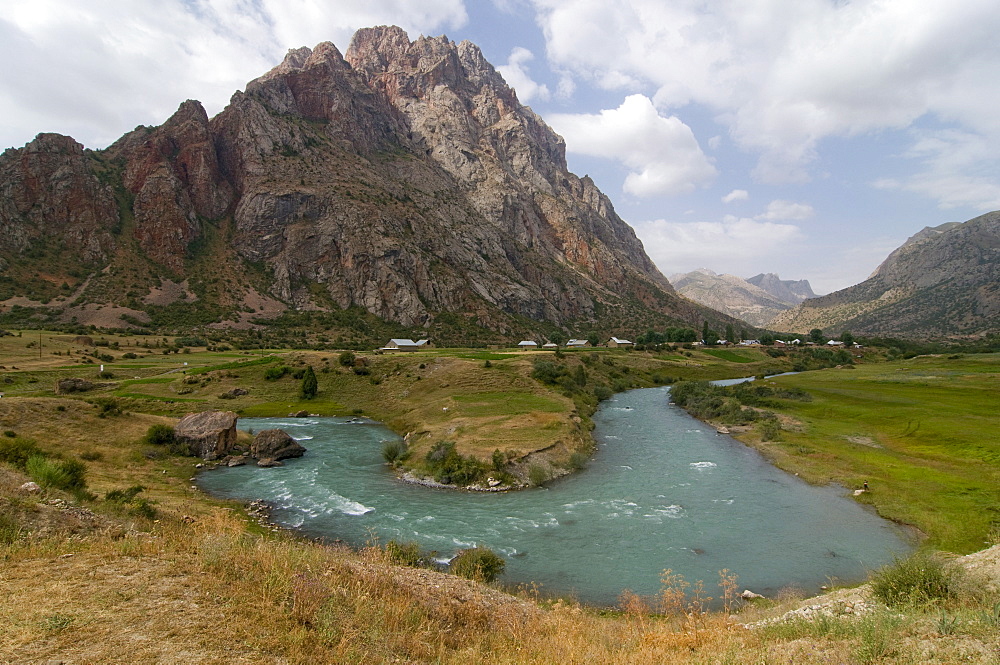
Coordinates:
<point>919,579</point>
<point>405,554</point>
<point>130,498</point>
<point>159,435</point>
<point>107,406</point>
<point>17,451</point>
<point>602,392</point>
<point>479,563</point>
<point>578,460</point>
<point>275,373</point>
<point>60,474</point>
<point>394,451</point>
<point>537,475</point>
<point>449,467</point>
<point>346,359</point>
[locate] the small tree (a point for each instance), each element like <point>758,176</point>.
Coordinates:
<point>767,339</point>
<point>346,359</point>
<point>816,335</point>
<point>309,384</point>
<point>847,338</point>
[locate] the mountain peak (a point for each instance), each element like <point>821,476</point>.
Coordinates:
<point>404,179</point>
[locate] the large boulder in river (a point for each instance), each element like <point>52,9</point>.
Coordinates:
<point>275,444</point>
<point>209,434</point>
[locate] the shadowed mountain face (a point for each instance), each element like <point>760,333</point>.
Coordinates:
<point>403,178</point>
<point>756,300</point>
<point>942,282</point>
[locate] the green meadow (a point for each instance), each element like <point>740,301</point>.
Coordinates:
<point>922,432</point>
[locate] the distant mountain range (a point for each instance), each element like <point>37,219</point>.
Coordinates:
<point>402,180</point>
<point>944,282</point>
<point>756,300</point>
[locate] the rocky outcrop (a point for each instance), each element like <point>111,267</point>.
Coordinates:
<point>275,444</point>
<point>174,175</point>
<point>943,282</point>
<point>50,197</point>
<point>785,290</point>
<point>73,385</point>
<point>210,435</point>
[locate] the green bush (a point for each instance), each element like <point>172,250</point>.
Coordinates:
<point>18,451</point>
<point>159,435</point>
<point>917,580</point>
<point>129,498</point>
<point>449,467</point>
<point>346,359</point>
<point>479,563</point>
<point>405,554</point>
<point>55,473</point>
<point>394,451</point>
<point>537,475</point>
<point>275,373</point>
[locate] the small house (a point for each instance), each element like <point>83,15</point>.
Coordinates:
<point>401,345</point>
<point>616,343</point>
<point>577,343</point>
<point>550,345</point>
<point>527,345</point>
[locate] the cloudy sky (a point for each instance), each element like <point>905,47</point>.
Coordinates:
<point>803,137</point>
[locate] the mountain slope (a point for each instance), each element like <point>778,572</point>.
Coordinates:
<point>942,282</point>
<point>756,300</point>
<point>404,179</point>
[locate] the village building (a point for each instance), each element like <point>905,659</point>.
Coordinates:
<point>527,345</point>
<point>577,343</point>
<point>550,345</point>
<point>402,345</point>
<point>616,343</point>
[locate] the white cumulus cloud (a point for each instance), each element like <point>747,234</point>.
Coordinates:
<point>784,76</point>
<point>515,72</point>
<point>780,210</point>
<point>661,152</point>
<point>96,69</point>
<point>736,195</point>
<point>735,245</point>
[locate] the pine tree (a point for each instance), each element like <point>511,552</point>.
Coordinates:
<point>309,384</point>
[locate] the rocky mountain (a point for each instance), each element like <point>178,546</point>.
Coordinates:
<point>756,300</point>
<point>402,179</point>
<point>942,282</point>
<point>785,290</point>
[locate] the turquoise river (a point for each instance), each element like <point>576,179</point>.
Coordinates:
<point>662,491</point>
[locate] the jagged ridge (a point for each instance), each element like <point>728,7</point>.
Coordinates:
<point>942,282</point>
<point>404,178</point>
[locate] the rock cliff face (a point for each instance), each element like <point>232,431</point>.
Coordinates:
<point>756,300</point>
<point>404,178</point>
<point>944,281</point>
